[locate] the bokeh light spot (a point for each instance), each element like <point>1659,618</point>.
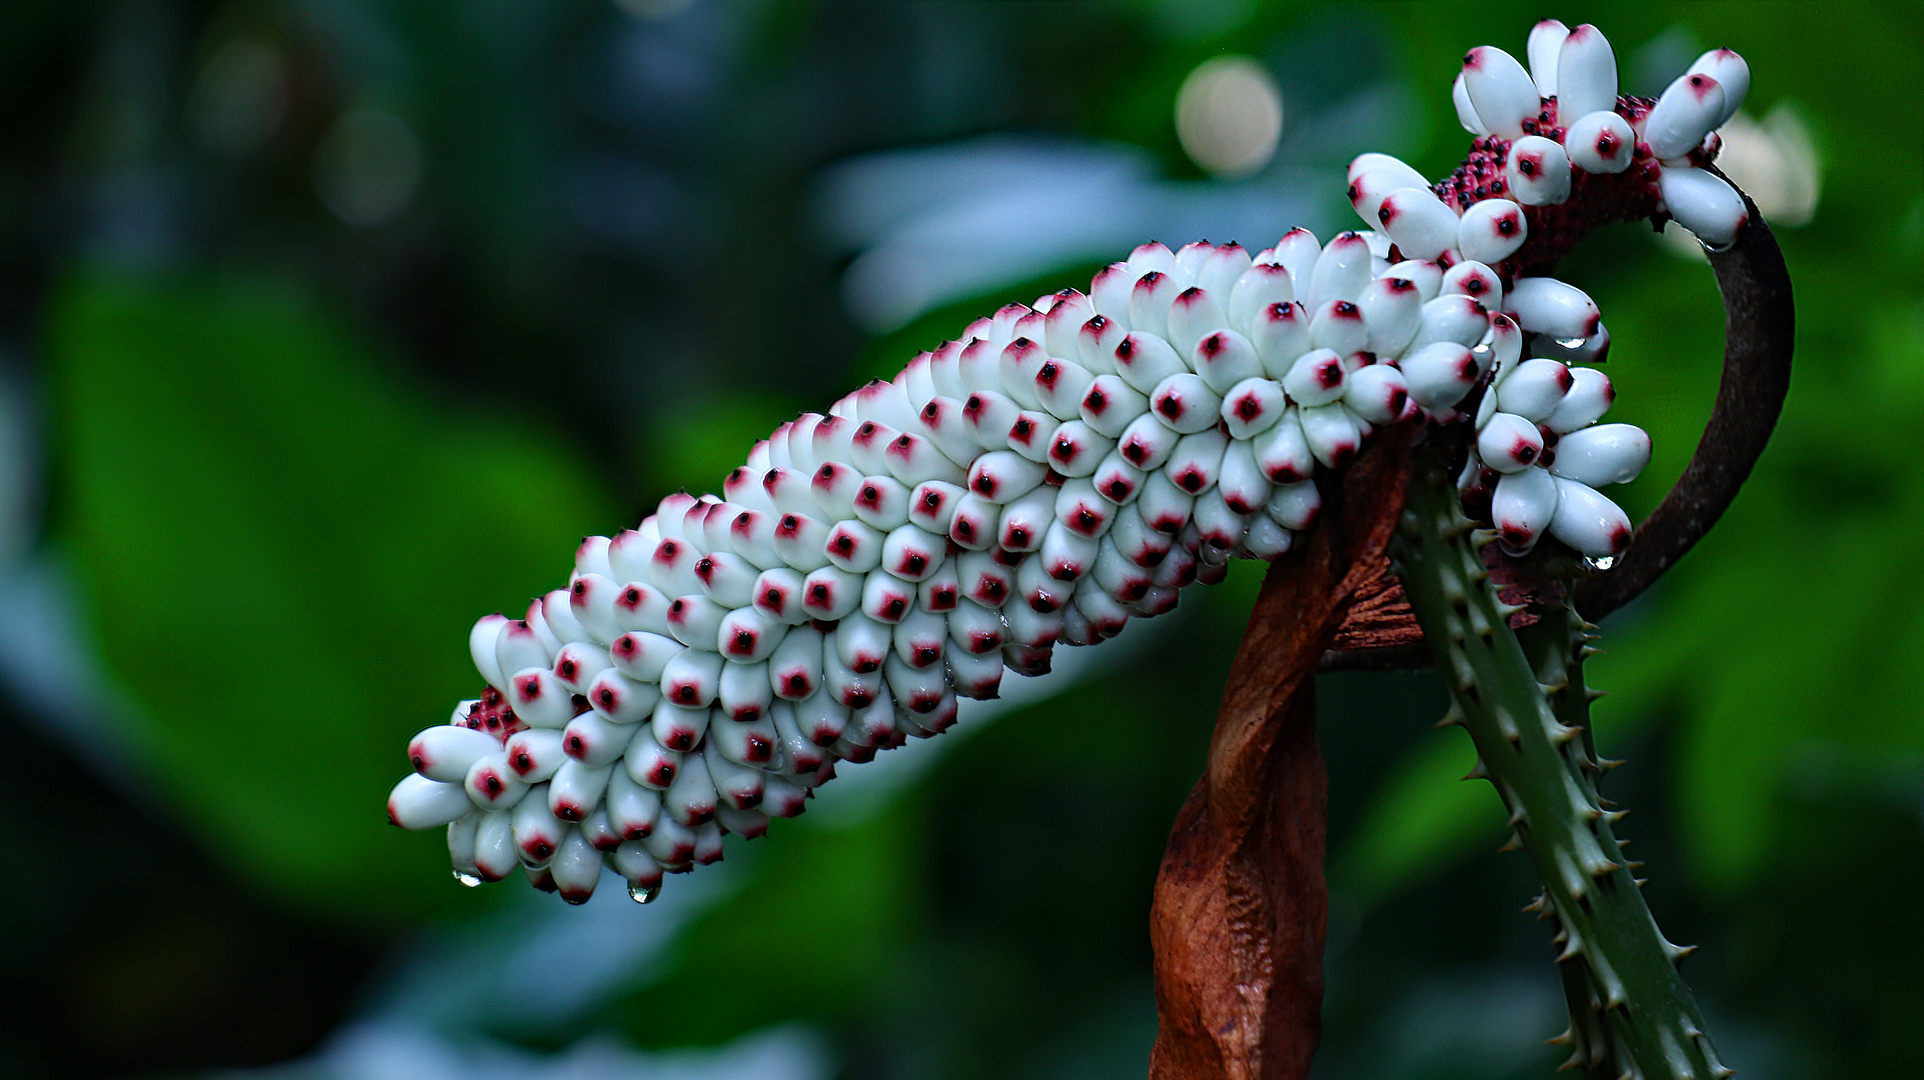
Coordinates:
<point>1229,115</point>
<point>367,167</point>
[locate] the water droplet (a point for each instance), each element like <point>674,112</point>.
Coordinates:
<point>465,878</point>
<point>1571,342</point>
<point>643,894</point>
<point>1601,562</point>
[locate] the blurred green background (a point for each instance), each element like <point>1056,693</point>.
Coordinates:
<point>325,328</point>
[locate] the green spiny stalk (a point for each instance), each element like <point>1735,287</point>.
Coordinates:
<point>1526,707</point>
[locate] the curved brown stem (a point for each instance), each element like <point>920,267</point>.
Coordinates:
<point>1759,331</point>
<point>1759,336</point>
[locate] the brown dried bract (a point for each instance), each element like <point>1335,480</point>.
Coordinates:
<point>1238,918</point>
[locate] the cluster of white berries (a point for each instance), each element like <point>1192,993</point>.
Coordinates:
<point>1055,471</point>
<point>1562,122</point>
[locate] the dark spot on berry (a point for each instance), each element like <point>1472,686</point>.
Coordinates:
<point>1247,409</point>
<point>915,563</point>
<point>844,544</point>
<point>1126,348</point>
<point>1048,373</point>
<point>905,441</point>
<point>894,608</point>
<point>796,684</point>
<point>1087,518</point>
<point>867,430</point>
<point>1023,427</point>
<point>1095,402</point>
<point>607,699</point>
<point>1190,482</point>
<point>791,522</point>
<point>1169,406</point>
<point>1506,226</point>
<point>568,668</point>
<point>1383,213</point>
<point>1019,537</point>
<point>744,641</point>
<point>931,410</point>
<point>1119,489</point>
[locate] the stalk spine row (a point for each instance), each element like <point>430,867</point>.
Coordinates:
<point>1521,696</point>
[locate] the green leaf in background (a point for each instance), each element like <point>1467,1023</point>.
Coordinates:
<point>1421,819</point>
<point>1793,633</point>
<point>283,550</point>
<point>825,903</point>
<point>695,452</point>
